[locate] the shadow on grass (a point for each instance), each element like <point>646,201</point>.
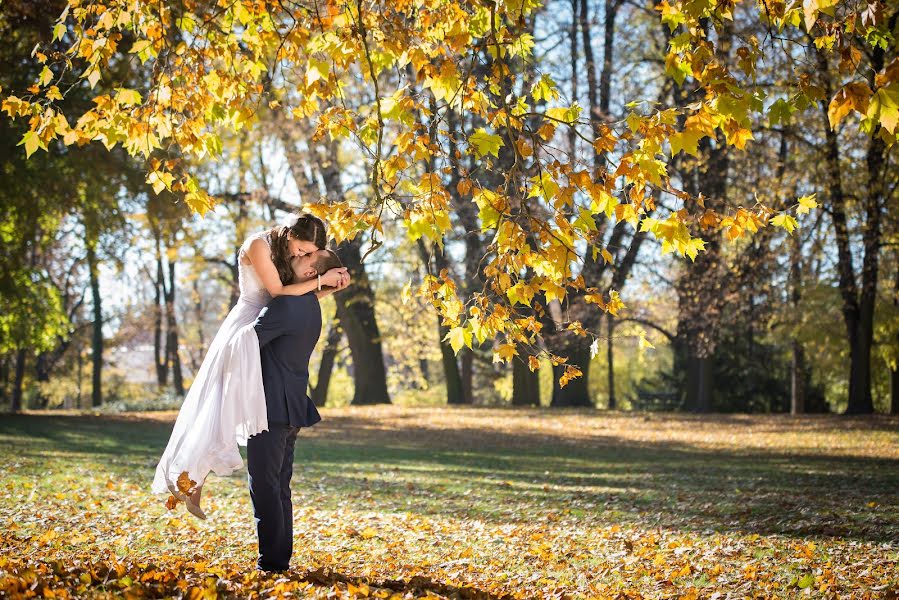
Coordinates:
<point>507,476</point>
<point>416,585</point>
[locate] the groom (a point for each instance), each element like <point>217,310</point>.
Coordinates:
<point>288,329</point>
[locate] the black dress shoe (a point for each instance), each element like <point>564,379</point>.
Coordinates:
<point>271,570</point>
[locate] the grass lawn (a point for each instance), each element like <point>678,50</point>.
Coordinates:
<point>469,503</point>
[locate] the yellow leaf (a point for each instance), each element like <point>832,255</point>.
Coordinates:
<point>504,353</point>
<point>544,186</point>
<point>884,106</point>
<point>46,75</point>
<point>521,293</point>
<point>786,221</point>
<point>406,294</point>
<point>317,69</point>
<point>458,337</point>
<point>810,11</point>
<point>485,143</point>
<point>59,30</point>
<point>615,304</point>
<point>805,204</point>
<point>568,115</point>
<point>127,97</point>
<point>31,141</point>
<point>93,76</point>
<point>571,372</point>
<point>686,141</point>
<point>544,89</point>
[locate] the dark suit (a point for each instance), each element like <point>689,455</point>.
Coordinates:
<point>288,329</point>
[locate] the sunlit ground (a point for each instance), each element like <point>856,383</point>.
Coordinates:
<point>470,503</point>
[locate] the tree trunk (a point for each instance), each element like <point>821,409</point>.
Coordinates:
<point>425,372</point>
<point>797,379</point>
<point>596,116</point>
<point>700,371</point>
<point>466,359</point>
<point>797,364</point>
<point>861,400</point>
<point>577,392</point>
<point>857,314</point>
<point>160,358</point>
<point>356,312</point>
<point>97,337</point>
<point>42,375</point>
<point>79,376</point>
<point>4,376</point>
<point>454,393</point>
<point>525,384</point>
<point>610,358</point>
<point>18,380</point>
<point>572,40</point>
<point>171,326</point>
<point>200,351</point>
<point>894,373</point>
<point>326,366</point>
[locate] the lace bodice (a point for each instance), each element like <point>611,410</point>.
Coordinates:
<point>252,290</point>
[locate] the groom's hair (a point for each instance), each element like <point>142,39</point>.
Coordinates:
<point>325,260</point>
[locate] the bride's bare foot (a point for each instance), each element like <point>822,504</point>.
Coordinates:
<point>192,503</point>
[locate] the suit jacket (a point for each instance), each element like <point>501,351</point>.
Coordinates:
<point>288,329</point>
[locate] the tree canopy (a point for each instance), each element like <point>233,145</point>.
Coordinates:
<point>391,79</point>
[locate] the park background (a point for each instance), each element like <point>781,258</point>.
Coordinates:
<point>671,467</point>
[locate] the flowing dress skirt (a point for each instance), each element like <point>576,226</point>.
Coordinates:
<point>223,408</point>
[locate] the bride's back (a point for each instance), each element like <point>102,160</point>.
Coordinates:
<point>252,290</point>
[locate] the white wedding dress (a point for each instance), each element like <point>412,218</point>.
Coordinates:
<point>226,402</point>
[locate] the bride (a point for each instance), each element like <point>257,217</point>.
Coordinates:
<point>226,402</point>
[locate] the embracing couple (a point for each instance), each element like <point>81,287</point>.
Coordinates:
<point>250,389</point>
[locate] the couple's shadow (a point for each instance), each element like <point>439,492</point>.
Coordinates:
<point>417,585</point>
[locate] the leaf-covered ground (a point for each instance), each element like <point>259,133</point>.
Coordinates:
<point>470,503</point>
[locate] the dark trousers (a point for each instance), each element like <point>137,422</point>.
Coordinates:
<point>270,467</point>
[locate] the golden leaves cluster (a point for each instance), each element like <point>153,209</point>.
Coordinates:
<point>216,63</point>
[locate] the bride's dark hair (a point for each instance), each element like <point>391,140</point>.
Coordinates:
<point>306,228</point>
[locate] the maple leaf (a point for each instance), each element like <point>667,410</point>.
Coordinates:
<point>458,337</point>
<point>884,106</point>
<point>786,221</point>
<point>810,12</point>
<point>520,293</point>
<point>127,97</point>
<point>544,89</point>
<point>852,96</point>
<point>504,353</point>
<point>544,186</point>
<point>805,204</point>
<point>31,141</point>
<point>485,143</point>
<point>571,372</point>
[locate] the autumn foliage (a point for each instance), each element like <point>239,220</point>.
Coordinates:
<point>210,65</point>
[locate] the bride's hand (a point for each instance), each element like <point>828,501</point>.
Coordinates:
<point>337,278</point>
<point>344,281</point>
